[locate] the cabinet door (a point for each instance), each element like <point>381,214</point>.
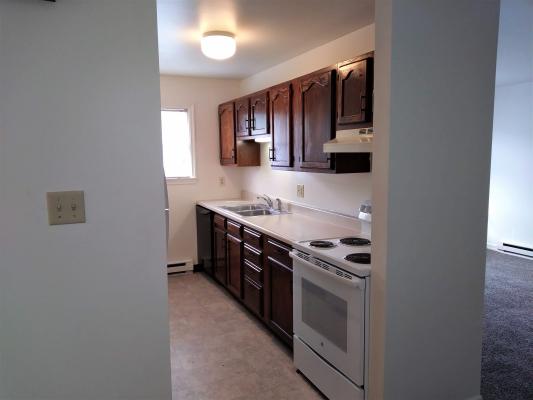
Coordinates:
<point>234,265</point>
<point>280,285</point>
<point>226,122</point>
<point>219,264</point>
<point>316,105</point>
<point>259,120</point>
<point>281,126</point>
<point>242,117</point>
<point>354,101</point>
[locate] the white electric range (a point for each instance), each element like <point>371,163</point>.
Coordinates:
<point>331,291</point>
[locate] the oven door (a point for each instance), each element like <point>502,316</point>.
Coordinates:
<point>329,315</point>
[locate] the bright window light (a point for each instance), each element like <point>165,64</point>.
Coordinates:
<point>178,144</point>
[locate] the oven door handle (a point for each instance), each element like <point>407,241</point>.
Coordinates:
<point>355,281</point>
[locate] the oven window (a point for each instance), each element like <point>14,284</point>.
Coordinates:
<point>325,313</point>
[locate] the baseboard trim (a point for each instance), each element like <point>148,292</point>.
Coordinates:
<point>180,266</point>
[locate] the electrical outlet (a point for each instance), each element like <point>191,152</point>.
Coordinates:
<point>300,190</point>
<point>221,180</point>
<point>66,207</point>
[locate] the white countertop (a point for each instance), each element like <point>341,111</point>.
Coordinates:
<point>290,228</point>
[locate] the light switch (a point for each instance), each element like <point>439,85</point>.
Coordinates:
<point>66,207</point>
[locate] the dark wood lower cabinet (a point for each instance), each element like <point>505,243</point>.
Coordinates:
<point>257,270</point>
<point>219,255</point>
<point>234,249</point>
<point>280,298</point>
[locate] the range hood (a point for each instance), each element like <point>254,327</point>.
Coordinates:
<point>351,141</point>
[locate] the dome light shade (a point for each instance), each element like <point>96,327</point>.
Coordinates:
<point>218,45</point>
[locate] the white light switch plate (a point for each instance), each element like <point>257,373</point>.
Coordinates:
<point>66,207</point>
<point>300,190</point>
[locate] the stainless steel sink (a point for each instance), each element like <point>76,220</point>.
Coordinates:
<point>253,213</point>
<point>246,207</point>
<point>253,210</point>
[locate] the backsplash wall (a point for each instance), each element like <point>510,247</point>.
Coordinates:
<point>343,192</point>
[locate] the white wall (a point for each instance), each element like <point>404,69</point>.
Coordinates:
<point>204,95</point>
<point>84,307</point>
<point>343,192</point>
<point>430,188</point>
<point>511,182</point>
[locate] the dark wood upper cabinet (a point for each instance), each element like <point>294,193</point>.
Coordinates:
<point>259,121</point>
<point>316,102</point>
<point>226,121</point>
<point>354,92</point>
<point>234,250</point>
<point>281,150</point>
<point>242,117</point>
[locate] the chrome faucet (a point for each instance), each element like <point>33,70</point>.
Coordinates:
<point>267,199</point>
<point>278,200</point>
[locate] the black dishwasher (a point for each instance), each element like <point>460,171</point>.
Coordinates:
<point>204,238</point>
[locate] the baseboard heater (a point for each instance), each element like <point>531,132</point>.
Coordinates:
<point>180,266</point>
<point>516,249</point>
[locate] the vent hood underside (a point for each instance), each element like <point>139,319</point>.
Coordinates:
<point>351,141</point>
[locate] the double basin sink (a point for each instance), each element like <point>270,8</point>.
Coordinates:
<point>252,210</point>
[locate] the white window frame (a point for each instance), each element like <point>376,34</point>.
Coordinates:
<point>192,133</point>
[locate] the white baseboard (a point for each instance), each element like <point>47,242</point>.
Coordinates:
<point>180,266</point>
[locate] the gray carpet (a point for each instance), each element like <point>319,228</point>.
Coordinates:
<point>507,361</point>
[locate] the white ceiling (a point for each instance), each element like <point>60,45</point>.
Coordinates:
<point>268,31</point>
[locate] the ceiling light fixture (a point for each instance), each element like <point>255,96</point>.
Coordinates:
<point>218,45</point>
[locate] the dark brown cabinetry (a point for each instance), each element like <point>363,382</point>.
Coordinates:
<point>234,257</point>
<point>354,92</point>
<point>226,123</point>
<point>278,289</point>
<point>219,255</point>
<point>314,119</point>
<point>242,117</point>
<point>303,114</point>
<point>259,115</point>
<point>233,152</point>
<point>257,270</point>
<point>281,150</point>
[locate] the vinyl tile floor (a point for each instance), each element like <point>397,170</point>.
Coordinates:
<point>221,351</point>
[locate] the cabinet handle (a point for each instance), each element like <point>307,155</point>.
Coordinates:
<point>233,154</point>
<point>270,154</point>
<point>362,98</point>
<point>247,123</point>
<point>253,123</point>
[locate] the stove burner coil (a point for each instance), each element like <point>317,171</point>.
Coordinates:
<point>322,244</point>
<point>355,241</point>
<point>359,258</point>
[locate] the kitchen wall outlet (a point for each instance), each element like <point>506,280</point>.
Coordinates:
<point>300,190</point>
<point>221,180</point>
<point>66,207</point>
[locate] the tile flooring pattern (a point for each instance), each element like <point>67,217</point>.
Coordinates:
<point>220,351</point>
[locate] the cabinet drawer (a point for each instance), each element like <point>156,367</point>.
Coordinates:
<point>279,252</point>
<point>253,238</point>
<point>234,228</point>
<point>253,296</point>
<point>219,221</point>
<point>252,255</point>
<point>253,272</point>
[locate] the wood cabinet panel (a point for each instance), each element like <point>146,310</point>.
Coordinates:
<point>259,121</point>
<point>280,299</point>
<point>253,256</point>
<point>219,221</point>
<point>253,296</point>
<point>234,257</point>
<point>253,272</point>
<point>242,117</point>
<point>226,121</point>
<point>316,106</point>
<point>219,255</point>
<point>252,238</point>
<point>281,150</point>
<point>233,228</point>
<point>354,88</point>
<point>278,251</point>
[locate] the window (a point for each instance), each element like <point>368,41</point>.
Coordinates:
<point>178,144</point>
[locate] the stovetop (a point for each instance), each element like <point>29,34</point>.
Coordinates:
<point>351,254</point>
